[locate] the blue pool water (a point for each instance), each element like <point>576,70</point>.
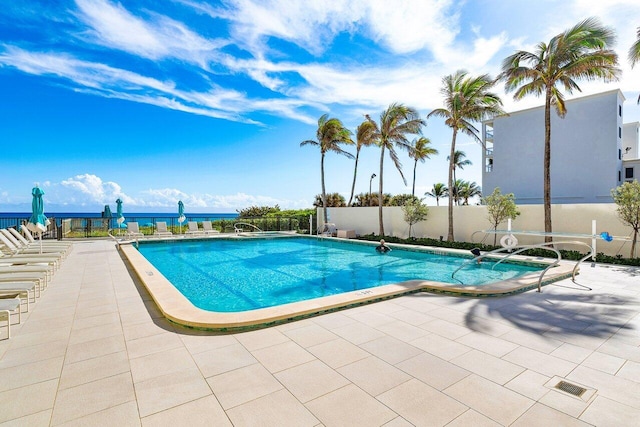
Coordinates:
<point>228,275</point>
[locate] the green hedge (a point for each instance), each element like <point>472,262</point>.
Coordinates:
<point>538,252</point>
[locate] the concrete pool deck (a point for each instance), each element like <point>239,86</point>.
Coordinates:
<point>95,350</point>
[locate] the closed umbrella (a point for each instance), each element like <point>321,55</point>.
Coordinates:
<point>181,216</point>
<point>106,214</point>
<point>119,215</point>
<point>38,221</point>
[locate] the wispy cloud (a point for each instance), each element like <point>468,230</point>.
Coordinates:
<point>158,37</point>
<point>90,190</point>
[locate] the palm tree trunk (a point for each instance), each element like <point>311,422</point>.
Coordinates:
<point>355,172</point>
<point>380,219</point>
<point>455,180</point>
<point>451,171</point>
<point>413,189</point>
<point>324,193</point>
<point>547,166</point>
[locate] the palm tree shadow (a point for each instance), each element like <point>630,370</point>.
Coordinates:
<point>555,312</point>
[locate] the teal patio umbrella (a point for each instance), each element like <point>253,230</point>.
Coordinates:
<point>119,215</point>
<point>38,221</point>
<point>107,215</point>
<point>181,216</point>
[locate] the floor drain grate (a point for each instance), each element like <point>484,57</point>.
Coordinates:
<point>571,388</point>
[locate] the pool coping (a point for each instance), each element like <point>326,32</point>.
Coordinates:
<point>178,309</point>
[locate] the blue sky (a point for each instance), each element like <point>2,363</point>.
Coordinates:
<point>207,101</point>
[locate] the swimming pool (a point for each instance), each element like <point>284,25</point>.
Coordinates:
<point>232,275</point>
<point>175,306</point>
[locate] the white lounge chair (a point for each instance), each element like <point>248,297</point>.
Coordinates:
<point>26,287</point>
<point>133,231</point>
<point>192,229</point>
<point>38,279</point>
<point>33,241</point>
<point>9,243</point>
<point>208,228</point>
<point>7,307</point>
<point>21,247</point>
<point>161,230</point>
<point>63,247</point>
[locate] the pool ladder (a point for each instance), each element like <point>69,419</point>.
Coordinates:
<point>518,249</point>
<point>240,230</point>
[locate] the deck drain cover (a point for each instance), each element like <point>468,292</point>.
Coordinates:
<point>571,388</point>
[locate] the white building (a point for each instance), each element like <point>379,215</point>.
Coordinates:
<point>589,154</point>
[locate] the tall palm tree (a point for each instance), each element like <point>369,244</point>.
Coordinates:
<point>581,52</point>
<point>396,122</point>
<point>634,54</point>
<point>330,134</point>
<point>439,191</point>
<point>420,150</point>
<point>467,99</point>
<point>365,137</point>
<point>467,190</point>
<point>459,162</point>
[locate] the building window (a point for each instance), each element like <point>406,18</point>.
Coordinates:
<point>620,110</point>
<point>619,176</point>
<point>619,132</point>
<point>619,154</point>
<point>628,173</point>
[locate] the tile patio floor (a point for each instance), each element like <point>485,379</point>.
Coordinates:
<point>95,351</point>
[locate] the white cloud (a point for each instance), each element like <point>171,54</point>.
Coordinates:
<point>113,26</point>
<point>90,193</point>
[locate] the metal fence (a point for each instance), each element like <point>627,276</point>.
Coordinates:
<point>101,227</point>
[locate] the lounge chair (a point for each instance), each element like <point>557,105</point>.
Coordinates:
<point>33,241</point>
<point>161,229</point>
<point>18,246</point>
<point>192,228</point>
<point>38,279</point>
<point>7,307</point>
<point>208,228</point>
<point>27,268</point>
<point>29,259</point>
<point>63,247</point>
<point>133,231</point>
<point>9,253</point>
<point>22,287</point>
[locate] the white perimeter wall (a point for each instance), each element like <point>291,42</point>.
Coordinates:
<point>467,220</point>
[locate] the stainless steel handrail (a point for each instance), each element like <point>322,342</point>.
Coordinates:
<point>239,230</point>
<point>519,249</point>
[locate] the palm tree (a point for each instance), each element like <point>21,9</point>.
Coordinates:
<point>420,150</point>
<point>454,191</point>
<point>459,162</point>
<point>467,190</point>
<point>581,52</point>
<point>396,122</point>
<point>438,191</point>
<point>634,54</point>
<point>365,137</point>
<point>330,134</point>
<point>467,99</point>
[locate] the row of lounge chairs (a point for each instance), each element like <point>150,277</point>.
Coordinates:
<point>26,267</point>
<point>133,230</point>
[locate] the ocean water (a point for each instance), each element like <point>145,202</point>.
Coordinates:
<point>12,219</point>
